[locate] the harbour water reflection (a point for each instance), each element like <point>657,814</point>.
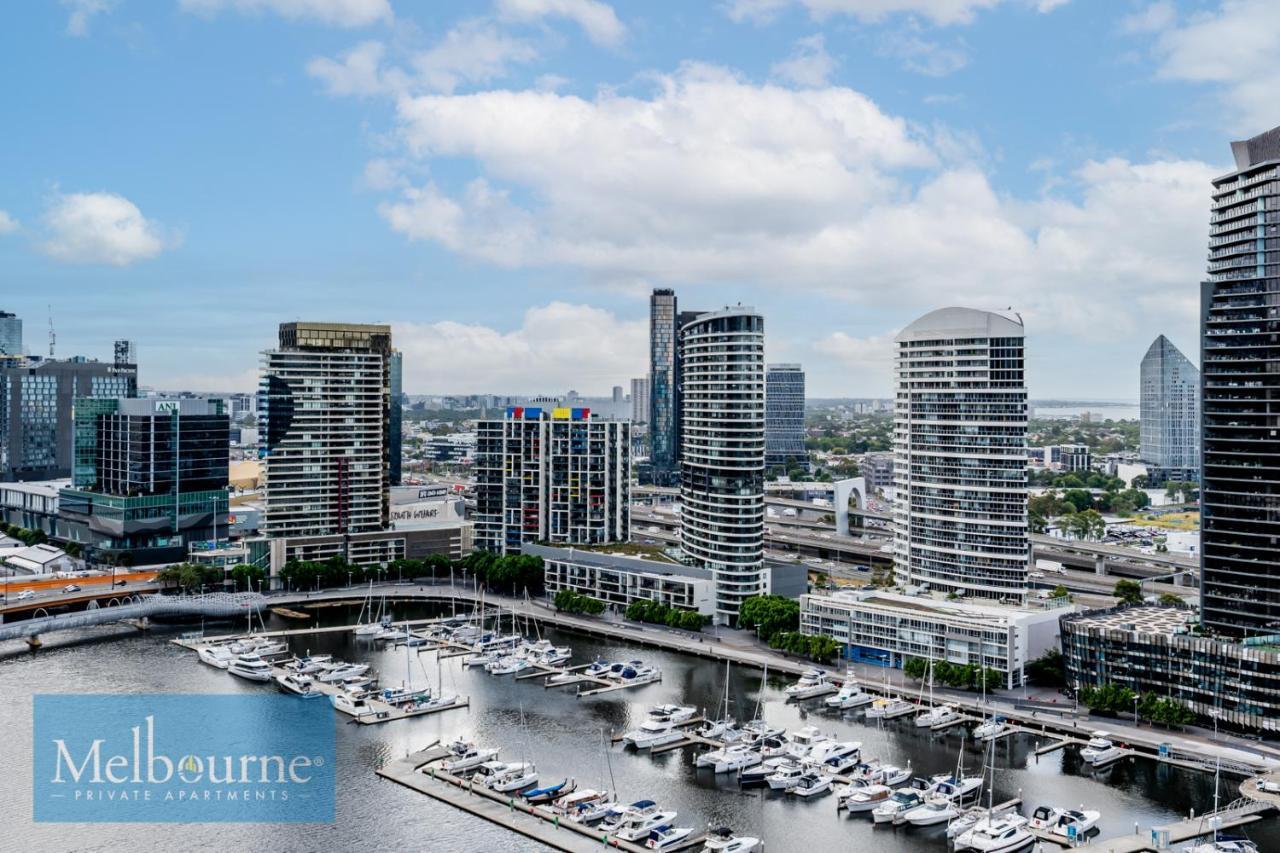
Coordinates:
<point>562,734</point>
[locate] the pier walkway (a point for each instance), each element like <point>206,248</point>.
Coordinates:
<point>218,605</point>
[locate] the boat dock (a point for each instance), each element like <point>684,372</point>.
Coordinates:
<point>1239,813</point>
<point>415,772</point>
<point>383,712</point>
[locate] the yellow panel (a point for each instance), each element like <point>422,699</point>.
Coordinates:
<point>560,413</point>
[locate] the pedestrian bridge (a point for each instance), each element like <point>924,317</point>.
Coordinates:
<point>219,605</point>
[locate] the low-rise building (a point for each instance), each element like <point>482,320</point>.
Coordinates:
<point>888,628</point>
<point>1156,649</point>
<point>37,560</point>
<point>453,539</point>
<point>625,576</point>
<point>33,506</point>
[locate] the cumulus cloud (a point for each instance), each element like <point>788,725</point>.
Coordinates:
<point>101,228</point>
<point>556,346</point>
<point>941,12</point>
<point>597,19</point>
<point>335,13</point>
<point>873,354</point>
<point>713,178</point>
<point>82,12</point>
<point>923,55</point>
<point>8,224</point>
<point>1233,48</point>
<point>809,65</point>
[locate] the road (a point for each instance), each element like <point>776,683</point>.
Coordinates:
<point>49,591</point>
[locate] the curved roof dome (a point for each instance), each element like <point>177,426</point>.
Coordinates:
<point>961,323</point>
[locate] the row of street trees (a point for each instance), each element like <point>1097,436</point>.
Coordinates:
<point>1116,700</point>
<point>655,612</point>
<point>573,602</point>
<point>963,676</point>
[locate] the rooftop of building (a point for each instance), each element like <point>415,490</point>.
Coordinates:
<point>44,488</point>
<point>1142,619</point>
<point>962,322</point>
<point>938,604</point>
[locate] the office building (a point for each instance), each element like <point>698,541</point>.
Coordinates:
<point>1158,650</point>
<point>150,478</point>
<point>1170,413</point>
<point>960,435</point>
<point>877,470</point>
<point>10,334</point>
<point>722,414</point>
<point>617,395</point>
<point>1074,458</point>
<point>325,430</point>
<point>1240,368</point>
<point>664,411</point>
<point>617,579</point>
<point>559,475</point>
<point>784,417</point>
<point>888,628</point>
<point>37,399</point>
<point>640,400</point>
<point>395,424</point>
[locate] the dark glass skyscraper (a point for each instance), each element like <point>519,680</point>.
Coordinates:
<point>664,406</point>
<point>1240,396</point>
<point>395,425</point>
<point>784,416</point>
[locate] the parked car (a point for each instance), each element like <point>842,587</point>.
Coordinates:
<point>71,588</point>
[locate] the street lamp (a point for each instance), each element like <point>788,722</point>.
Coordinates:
<point>1135,709</point>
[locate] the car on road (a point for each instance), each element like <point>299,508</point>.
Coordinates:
<point>26,595</point>
<point>121,582</point>
<point>71,588</point>
<point>1037,574</point>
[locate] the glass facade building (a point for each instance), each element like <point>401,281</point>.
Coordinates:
<point>960,455</point>
<point>722,415</point>
<point>1240,402</point>
<point>395,429</point>
<point>10,334</point>
<point>784,416</point>
<point>664,377</point>
<point>1170,413</point>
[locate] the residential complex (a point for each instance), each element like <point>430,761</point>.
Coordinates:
<point>960,435</point>
<point>664,412</point>
<point>1159,650</point>
<point>556,475</point>
<point>1240,366</point>
<point>618,579</point>
<point>150,478</point>
<point>722,413</point>
<point>640,400</point>
<point>395,420</point>
<point>1170,413</point>
<point>324,403</point>
<point>784,417</point>
<point>887,629</point>
<point>10,334</point>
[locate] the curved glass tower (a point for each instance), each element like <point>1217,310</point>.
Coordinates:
<point>960,463</point>
<point>722,411</point>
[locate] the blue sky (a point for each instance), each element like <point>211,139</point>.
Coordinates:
<point>505,181</point>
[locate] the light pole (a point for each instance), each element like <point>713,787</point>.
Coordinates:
<point>1135,710</point>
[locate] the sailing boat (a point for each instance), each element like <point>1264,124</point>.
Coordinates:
<point>367,629</point>
<point>724,727</point>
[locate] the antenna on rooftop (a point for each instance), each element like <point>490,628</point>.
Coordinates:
<point>52,337</point>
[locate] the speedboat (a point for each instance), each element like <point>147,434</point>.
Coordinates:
<point>298,685</point>
<point>672,713</point>
<point>813,682</point>
<point>863,798</point>
<point>760,773</point>
<point>1000,834</point>
<point>938,716</point>
<point>729,758</point>
<point>653,733</point>
<point>933,811</point>
<point>634,673</point>
<point>1068,823</point>
<point>898,804</point>
<point>584,806</point>
<point>835,757</point>
<point>597,668</point>
<point>550,792</point>
<point>513,777</point>
<point>638,826</point>
<point>811,785</point>
<point>887,709</point>
<point>850,696</point>
<point>1106,757</point>
<point>1098,742</point>
<point>250,667</point>
<point>786,777</point>
<point>465,755</point>
<point>619,815</point>
<point>873,772</point>
<point>957,789</point>
<point>351,703</point>
<point>543,653</point>
<point>343,671</point>
<point>722,840</point>
<point>667,837</point>
<point>988,729</point>
<point>217,656</point>
<point>309,664</point>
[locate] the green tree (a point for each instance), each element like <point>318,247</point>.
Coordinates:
<point>1127,591</point>
<point>248,577</point>
<point>915,668</point>
<point>1048,670</point>
<point>1078,498</point>
<point>1169,599</point>
<point>1060,591</point>
<point>770,613</point>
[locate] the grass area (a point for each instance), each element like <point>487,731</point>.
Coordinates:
<point>1172,521</point>
<point>627,549</point>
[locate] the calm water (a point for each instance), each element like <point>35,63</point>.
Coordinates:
<point>562,734</point>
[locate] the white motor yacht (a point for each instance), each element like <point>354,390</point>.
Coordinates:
<point>933,811</point>
<point>250,667</point>
<point>835,757</point>
<point>342,671</point>
<point>722,840</point>
<point>653,733</point>
<point>483,659</point>
<point>863,798</point>
<point>351,703</point>
<point>1098,742</point>
<point>634,673</point>
<point>514,777</point>
<point>1222,844</point>
<point>725,730</point>
<point>584,806</point>
<point>811,785</point>
<point>1107,757</point>
<point>466,755</point>
<point>668,837</point>
<point>957,790</point>
<point>812,682</point>
<point>543,653</point>
<point>621,814</point>
<point>508,665</point>
<point>851,696</point>
<point>672,713</point>
<point>729,758</point>
<point>898,804</point>
<point>216,656</point>
<point>309,664</point>
<point>298,685</point>
<point>757,730</point>
<point>637,826</point>
<point>1001,834</point>
<point>938,716</point>
<point>760,773</point>
<point>1068,823</point>
<point>888,709</point>
<point>797,744</point>
<point>786,777</point>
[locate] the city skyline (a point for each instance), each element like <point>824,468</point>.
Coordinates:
<point>345,155</point>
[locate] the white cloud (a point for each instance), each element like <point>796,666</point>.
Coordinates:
<point>337,13</point>
<point>597,19</point>
<point>808,65</point>
<point>101,228</point>
<point>1234,48</point>
<point>873,354</point>
<point>941,12</point>
<point>922,55</point>
<point>8,224</point>
<point>714,179</point>
<point>1153,18</point>
<point>557,346</point>
<point>472,52</point>
<point>82,12</point>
